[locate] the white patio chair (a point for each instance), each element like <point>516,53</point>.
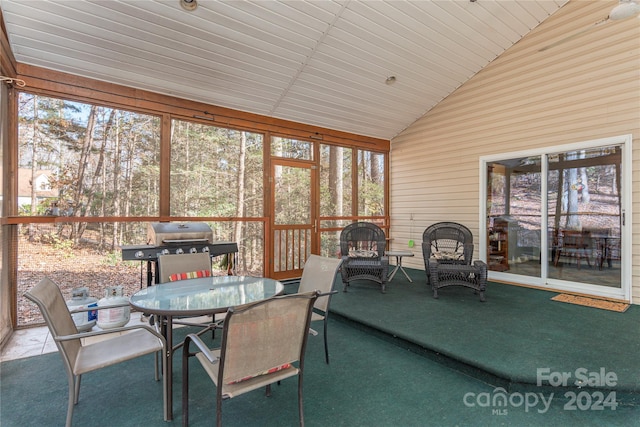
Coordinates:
<point>82,358</point>
<point>319,274</point>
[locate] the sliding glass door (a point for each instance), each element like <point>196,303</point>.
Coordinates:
<point>514,215</point>
<point>556,217</point>
<point>584,210</point>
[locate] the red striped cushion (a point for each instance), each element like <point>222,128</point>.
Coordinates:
<point>189,275</point>
<point>268,371</point>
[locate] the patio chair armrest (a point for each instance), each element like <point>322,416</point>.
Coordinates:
<point>327,293</point>
<point>97,307</point>
<point>193,338</point>
<point>108,331</point>
<point>468,253</point>
<point>426,254</point>
<point>481,266</point>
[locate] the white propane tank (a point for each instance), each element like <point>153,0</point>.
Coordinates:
<point>80,299</point>
<point>113,317</point>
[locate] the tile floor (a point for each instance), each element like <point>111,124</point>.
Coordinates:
<point>36,341</point>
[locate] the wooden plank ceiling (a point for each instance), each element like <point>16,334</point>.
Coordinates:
<point>323,63</point>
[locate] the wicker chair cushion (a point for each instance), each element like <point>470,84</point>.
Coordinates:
<point>448,255</point>
<point>189,275</point>
<point>361,253</point>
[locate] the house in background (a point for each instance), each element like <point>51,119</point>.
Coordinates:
<point>40,190</point>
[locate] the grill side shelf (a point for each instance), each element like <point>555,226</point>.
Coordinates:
<point>150,252</point>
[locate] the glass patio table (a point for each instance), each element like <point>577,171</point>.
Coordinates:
<point>197,297</point>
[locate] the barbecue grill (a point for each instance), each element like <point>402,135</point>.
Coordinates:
<point>171,233</point>
<point>176,238</point>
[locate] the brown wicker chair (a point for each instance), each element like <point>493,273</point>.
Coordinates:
<point>362,247</point>
<point>447,249</point>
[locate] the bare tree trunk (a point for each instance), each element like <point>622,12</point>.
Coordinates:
<point>186,162</point>
<point>116,181</point>
<point>336,184</point>
<point>362,210</point>
<point>240,198</point>
<point>82,167</point>
<point>129,189</point>
<point>618,189</point>
<point>34,163</point>
<point>573,220</point>
<point>559,199</point>
<point>376,177</point>
<point>99,171</point>
<point>584,190</point>
<point>84,158</point>
<point>103,203</point>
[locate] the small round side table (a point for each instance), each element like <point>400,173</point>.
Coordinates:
<point>399,255</point>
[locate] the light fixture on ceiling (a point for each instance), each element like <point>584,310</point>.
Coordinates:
<point>390,80</point>
<point>189,4</point>
<point>625,9</point>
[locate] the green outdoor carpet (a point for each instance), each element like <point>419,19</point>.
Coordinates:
<point>508,337</point>
<point>369,382</point>
<point>397,359</point>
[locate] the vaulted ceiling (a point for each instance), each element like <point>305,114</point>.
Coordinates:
<point>324,63</point>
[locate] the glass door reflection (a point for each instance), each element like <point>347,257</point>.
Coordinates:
<point>514,216</point>
<point>584,216</point>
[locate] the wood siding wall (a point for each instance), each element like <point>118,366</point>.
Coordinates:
<point>583,89</point>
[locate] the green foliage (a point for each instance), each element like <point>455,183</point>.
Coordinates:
<point>62,245</point>
<point>104,173</point>
<point>371,199</point>
<point>209,165</point>
<point>24,209</point>
<point>112,259</point>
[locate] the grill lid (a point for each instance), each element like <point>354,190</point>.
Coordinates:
<point>168,233</point>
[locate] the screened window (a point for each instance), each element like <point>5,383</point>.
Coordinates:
<point>78,159</point>
<point>215,171</point>
<point>291,148</point>
<point>336,171</point>
<point>370,183</point>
